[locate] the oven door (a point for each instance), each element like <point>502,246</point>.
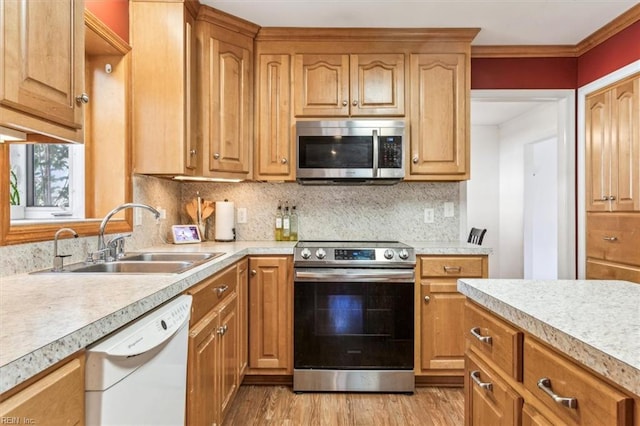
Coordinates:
<point>353,319</point>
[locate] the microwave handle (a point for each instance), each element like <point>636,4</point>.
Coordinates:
<point>375,153</point>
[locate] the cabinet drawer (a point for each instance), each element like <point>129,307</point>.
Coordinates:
<point>603,270</point>
<point>495,339</point>
<point>614,237</point>
<point>211,291</point>
<point>489,399</point>
<point>452,266</point>
<point>592,401</point>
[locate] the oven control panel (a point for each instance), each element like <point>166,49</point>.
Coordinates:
<point>311,254</point>
<point>348,254</point>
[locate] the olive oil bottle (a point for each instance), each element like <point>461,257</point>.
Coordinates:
<point>278,224</point>
<point>293,224</point>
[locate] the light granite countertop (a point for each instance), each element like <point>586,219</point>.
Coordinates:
<point>596,323</point>
<point>46,317</point>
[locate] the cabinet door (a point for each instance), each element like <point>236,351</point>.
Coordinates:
<point>42,67</point>
<point>321,85</point>
<point>625,146</point>
<point>489,400</point>
<point>270,315</point>
<point>227,364</point>
<point>439,116</point>
<point>202,405</point>
<point>56,399</point>
<point>162,74</point>
<point>532,417</point>
<point>442,333</point>
<point>243,317</point>
<point>275,136</point>
<point>597,141</point>
<point>226,106</point>
<point>377,85</point>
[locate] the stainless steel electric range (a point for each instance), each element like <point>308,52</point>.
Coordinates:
<point>353,316</point>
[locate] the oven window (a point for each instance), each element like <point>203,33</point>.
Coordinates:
<point>335,152</point>
<point>353,325</point>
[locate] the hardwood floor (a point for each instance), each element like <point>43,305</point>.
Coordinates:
<point>278,405</point>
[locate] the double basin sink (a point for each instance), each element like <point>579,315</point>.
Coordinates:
<point>143,263</point>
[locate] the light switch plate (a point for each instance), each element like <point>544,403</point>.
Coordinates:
<point>429,215</point>
<point>242,215</point>
<point>448,209</point>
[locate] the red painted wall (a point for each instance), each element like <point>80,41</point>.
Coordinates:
<point>616,52</point>
<point>114,13</point>
<point>558,73</point>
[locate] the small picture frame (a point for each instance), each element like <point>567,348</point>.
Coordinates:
<point>186,234</point>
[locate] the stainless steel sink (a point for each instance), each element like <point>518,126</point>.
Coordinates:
<point>124,267</point>
<point>170,257</point>
<point>142,263</point>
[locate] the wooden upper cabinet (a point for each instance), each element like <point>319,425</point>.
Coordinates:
<point>225,81</point>
<point>439,148</point>
<point>42,67</point>
<point>343,85</point>
<point>612,139</point>
<point>163,41</point>
<point>275,137</point>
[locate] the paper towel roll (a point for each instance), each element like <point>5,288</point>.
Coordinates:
<point>225,223</point>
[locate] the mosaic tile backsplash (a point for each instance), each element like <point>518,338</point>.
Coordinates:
<point>326,212</point>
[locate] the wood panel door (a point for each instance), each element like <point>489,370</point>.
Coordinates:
<point>275,138</point>
<point>43,67</point>
<point>377,85</point>
<point>202,406</point>
<point>597,142</point>
<point>321,85</point>
<point>625,146</point>
<point>442,328</point>
<point>228,363</point>
<point>439,148</point>
<point>270,315</point>
<point>226,73</point>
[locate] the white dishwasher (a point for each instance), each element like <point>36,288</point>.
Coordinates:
<point>138,375</point>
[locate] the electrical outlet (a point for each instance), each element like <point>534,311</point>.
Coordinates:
<point>137,217</point>
<point>242,215</point>
<point>448,209</point>
<point>428,215</point>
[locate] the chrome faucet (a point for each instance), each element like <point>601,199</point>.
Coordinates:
<point>108,252</point>
<point>58,260</point>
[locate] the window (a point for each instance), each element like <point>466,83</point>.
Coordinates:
<point>50,180</point>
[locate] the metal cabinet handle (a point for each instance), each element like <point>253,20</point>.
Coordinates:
<point>345,103</point>
<point>220,290</point>
<point>475,332</point>
<point>415,159</point>
<point>449,269</point>
<point>216,156</point>
<point>354,103</point>
<point>222,330</point>
<point>82,99</point>
<point>610,238</point>
<point>475,376</point>
<point>193,152</point>
<point>284,160</point>
<point>427,299</point>
<point>254,273</point>
<point>604,198</point>
<point>545,385</point>
<point>612,197</point>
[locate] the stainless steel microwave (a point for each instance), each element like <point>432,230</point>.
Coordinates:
<point>350,152</point>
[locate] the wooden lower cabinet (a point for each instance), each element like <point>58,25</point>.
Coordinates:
<point>55,399</point>
<point>440,315</point>
<point>270,315</point>
<point>581,396</point>
<point>213,364</point>
<point>243,317</point>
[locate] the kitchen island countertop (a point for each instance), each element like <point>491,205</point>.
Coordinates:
<point>596,323</point>
<point>47,317</point>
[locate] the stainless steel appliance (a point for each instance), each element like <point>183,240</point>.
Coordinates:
<point>353,316</point>
<point>350,152</point>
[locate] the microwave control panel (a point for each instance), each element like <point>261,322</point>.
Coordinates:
<point>390,152</point>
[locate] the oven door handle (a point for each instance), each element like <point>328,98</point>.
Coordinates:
<point>359,275</point>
